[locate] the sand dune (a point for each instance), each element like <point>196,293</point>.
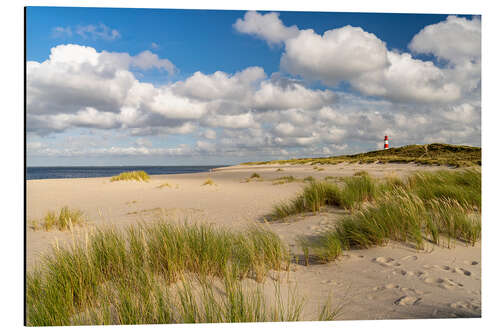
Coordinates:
<point>395,281</point>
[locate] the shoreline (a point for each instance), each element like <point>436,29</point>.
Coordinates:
<point>243,167</point>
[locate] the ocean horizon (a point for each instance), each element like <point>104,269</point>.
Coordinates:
<point>58,172</point>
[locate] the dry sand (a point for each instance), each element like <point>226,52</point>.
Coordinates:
<point>389,282</point>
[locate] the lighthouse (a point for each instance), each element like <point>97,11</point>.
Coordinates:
<point>386,142</point>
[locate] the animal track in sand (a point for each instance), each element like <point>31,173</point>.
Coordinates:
<point>386,262</point>
<point>472,263</point>
<point>408,300</point>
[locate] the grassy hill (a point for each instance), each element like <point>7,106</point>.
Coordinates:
<point>430,154</point>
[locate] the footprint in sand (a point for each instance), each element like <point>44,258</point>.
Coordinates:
<point>412,258</point>
<point>446,268</point>
<point>418,274</point>
<point>415,291</point>
<point>386,262</point>
<point>328,282</point>
<point>462,271</point>
<point>421,274</point>
<point>411,273</point>
<point>443,283</point>
<point>387,286</point>
<point>408,300</point>
<point>472,263</point>
<point>390,286</point>
<point>464,305</point>
<point>353,256</point>
<point>442,267</point>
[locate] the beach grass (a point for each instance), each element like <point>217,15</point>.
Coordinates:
<point>317,194</point>
<point>116,277</point>
<point>440,207</point>
<point>313,197</point>
<point>65,219</point>
<point>284,180</point>
<point>356,191</point>
<point>254,175</point>
<point>138,175</point>
<point>209,181</point>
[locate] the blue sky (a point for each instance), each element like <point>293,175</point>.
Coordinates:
<point>166,87</point>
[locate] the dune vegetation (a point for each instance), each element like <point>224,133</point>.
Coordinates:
<point>139,175</point>
<point>65,219</point>
<point>164,273</point>
<point>284,180</point>
<point>430,154</point>
<point>149,274</point>
<point>439,207</point>
<point>209,181</point>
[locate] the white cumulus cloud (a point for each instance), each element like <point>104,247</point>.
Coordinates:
<point>337,55</point>
<point>457,40</point>
<point>268,27</point>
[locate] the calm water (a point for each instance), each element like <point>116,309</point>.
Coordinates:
<point>108,171</point>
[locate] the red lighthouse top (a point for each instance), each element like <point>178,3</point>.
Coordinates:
<point>386,138</point>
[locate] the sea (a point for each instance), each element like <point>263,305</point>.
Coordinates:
<point>109,171</point>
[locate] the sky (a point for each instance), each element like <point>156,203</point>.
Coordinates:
<point>190,87</point>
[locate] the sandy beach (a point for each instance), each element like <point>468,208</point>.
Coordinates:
<point>395,281</point>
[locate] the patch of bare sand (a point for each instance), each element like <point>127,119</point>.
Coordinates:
<point>395,281</point>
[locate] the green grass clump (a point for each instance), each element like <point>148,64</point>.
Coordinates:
<point>140,176</point>
<point>64,220</point>
<point>313,197</point>
<point>309,179</point>
<point>209,181</point>
<point>279,169</point>
<point>463,186</point>
<point>127,277</point>
<point>400,217</point>
<point>357,190</point>
<point>284,180</point>
<point>254,175</point>
<point>440,207</point>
